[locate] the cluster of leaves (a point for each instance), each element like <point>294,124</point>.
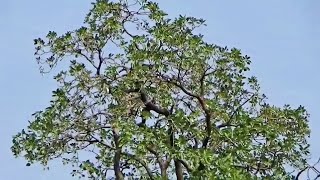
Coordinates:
<point>146,97</point>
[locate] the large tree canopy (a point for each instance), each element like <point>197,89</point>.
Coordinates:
<point>144,96</point>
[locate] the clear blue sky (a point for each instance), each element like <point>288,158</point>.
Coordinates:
<point>282,37</point>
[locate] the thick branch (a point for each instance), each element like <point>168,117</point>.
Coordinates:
<point>177,163</point>
<point>149,104</point>
<point>117,156</point>
<point>178,169</point>
<point>189,169</point>
<point>162,164</point>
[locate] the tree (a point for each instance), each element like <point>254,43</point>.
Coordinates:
<point>144,96</point>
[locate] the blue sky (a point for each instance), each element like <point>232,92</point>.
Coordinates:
<point>282,38</point>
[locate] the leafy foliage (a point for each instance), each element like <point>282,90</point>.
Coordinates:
<point>146,97</point>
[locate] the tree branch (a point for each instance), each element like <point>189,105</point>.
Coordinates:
<point>100,62</point>
<point>163,166</point>
<point>178,169</point>
<point>149,104</point>
<point>117,155</point>
<point>185,164</point>
<point>203,106</point>
<point>149,172</point>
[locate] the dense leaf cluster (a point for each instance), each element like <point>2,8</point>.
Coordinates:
<point>146,97</point>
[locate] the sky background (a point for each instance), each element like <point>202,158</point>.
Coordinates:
<point>281,37</point>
